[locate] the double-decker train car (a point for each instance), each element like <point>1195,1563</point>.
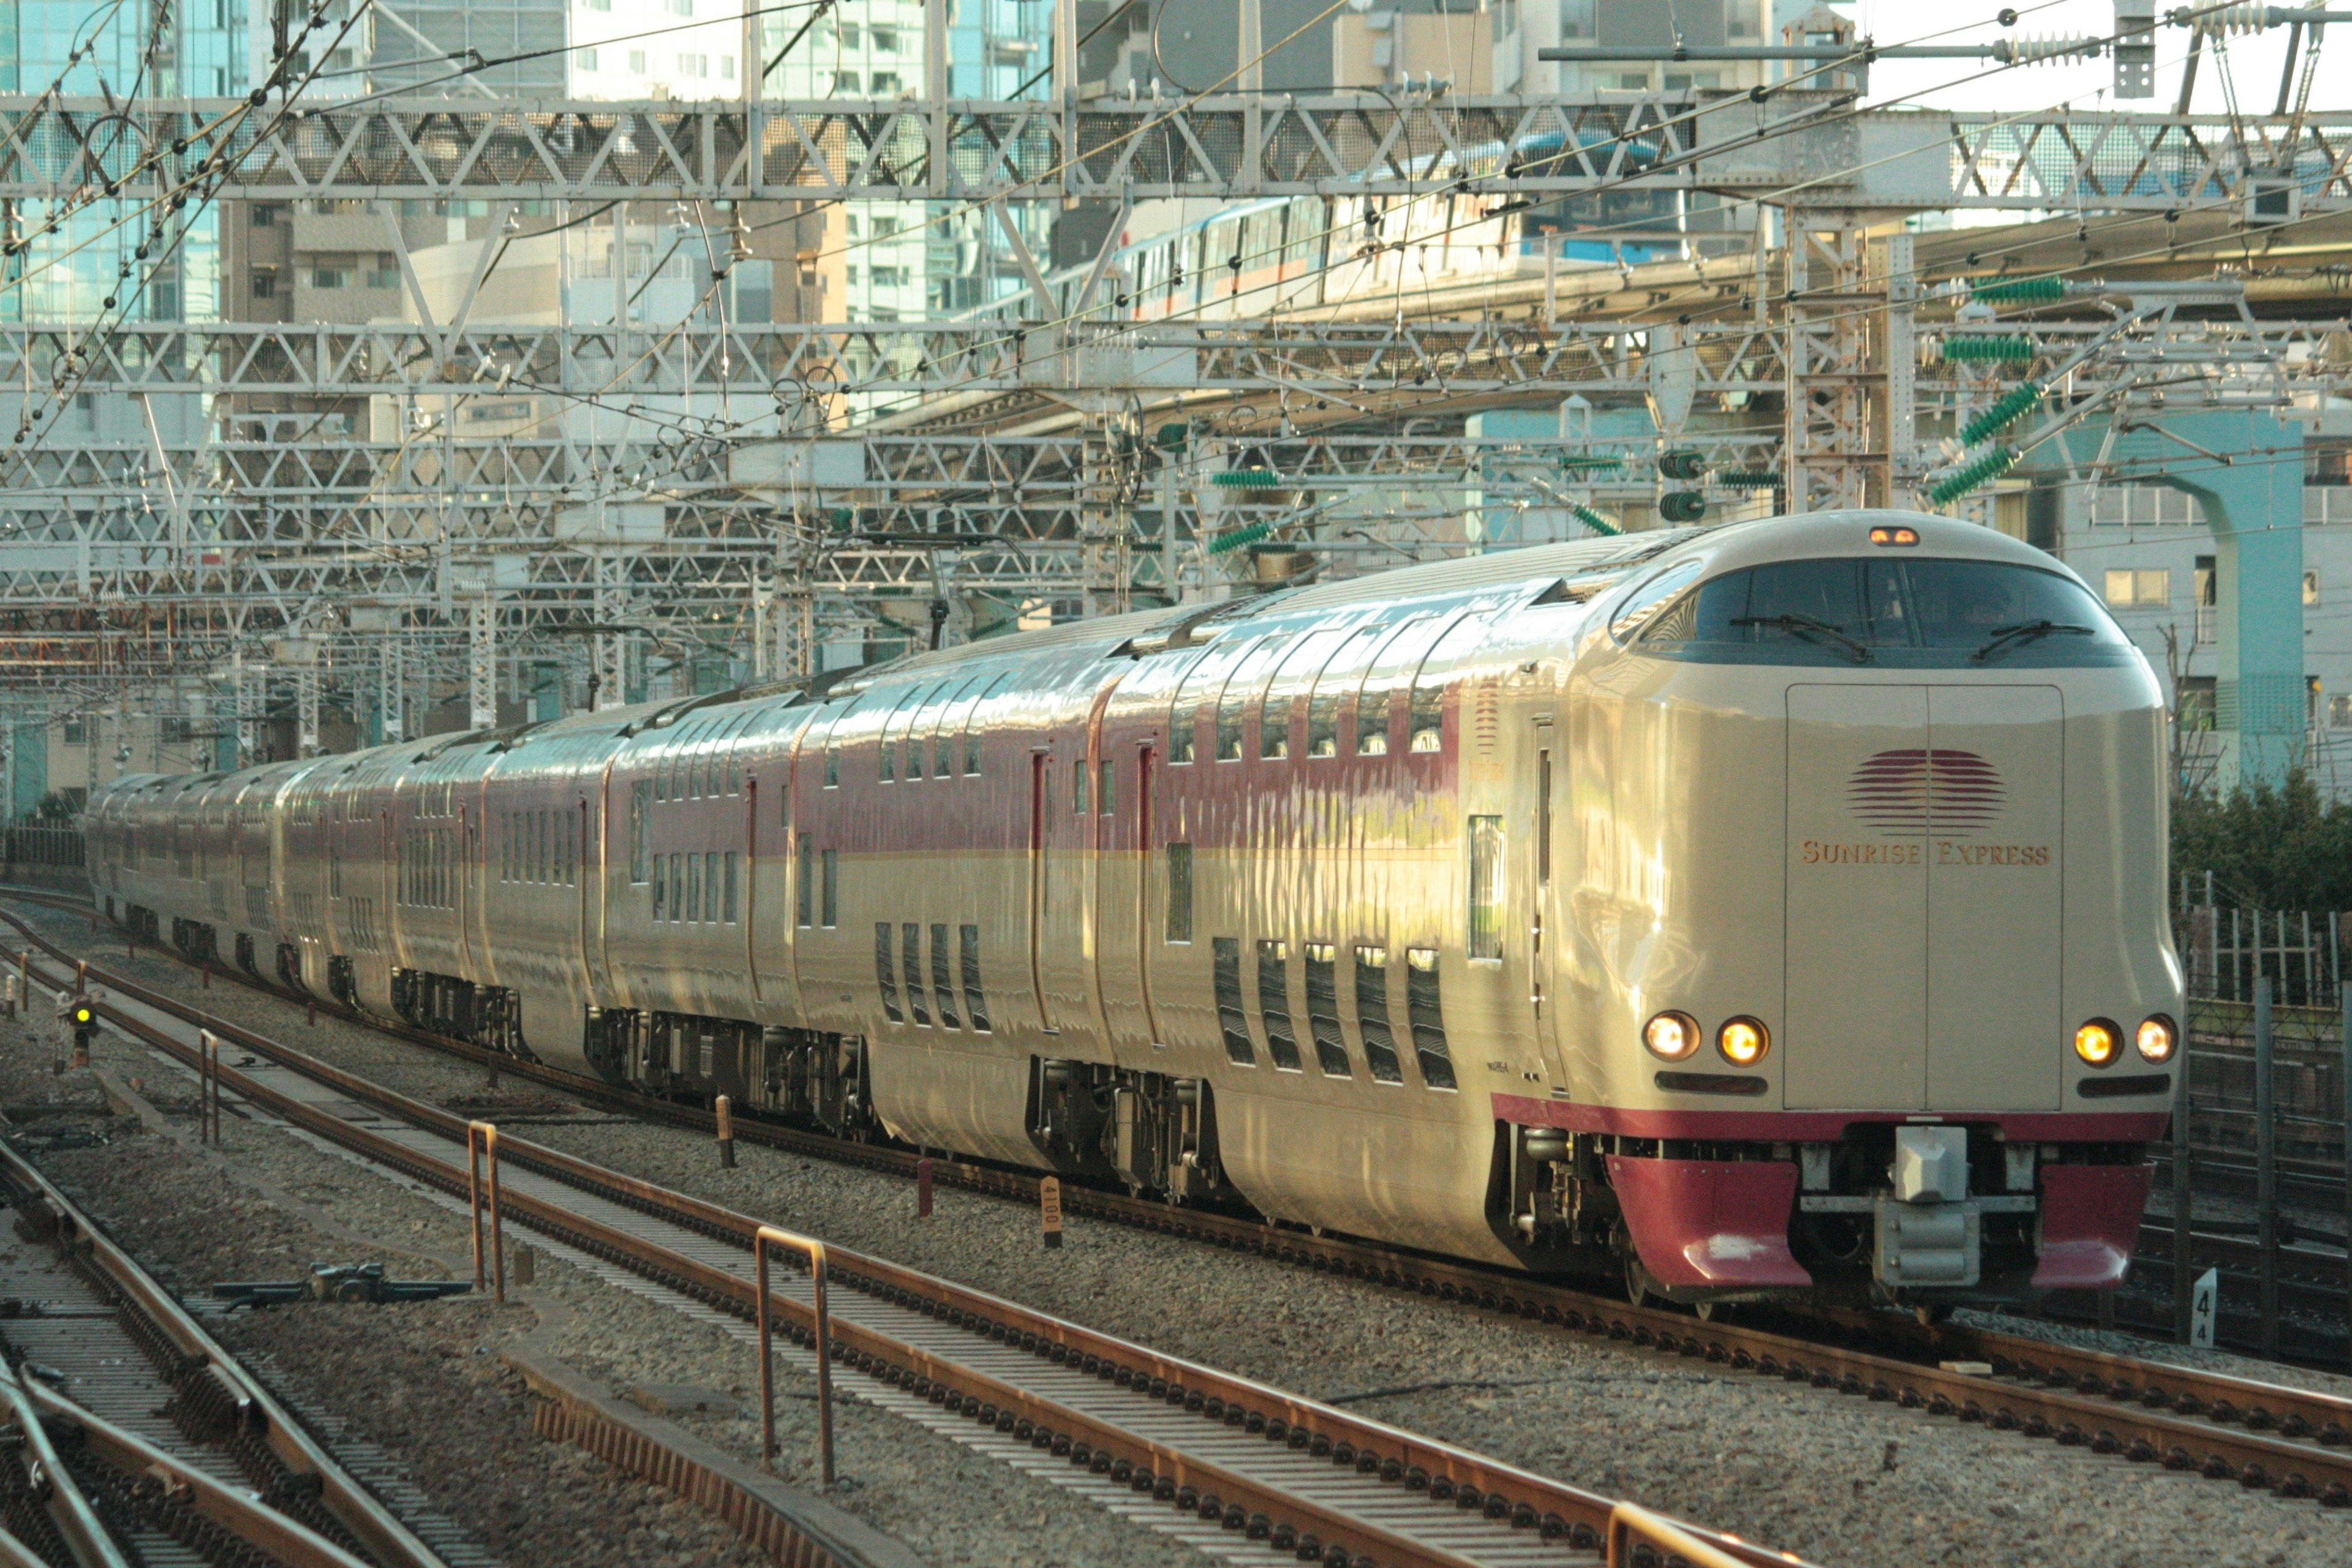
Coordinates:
<point>1775,908</point>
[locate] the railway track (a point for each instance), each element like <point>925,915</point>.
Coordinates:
<point>2296,1443</point>
<point>1207,1455</point>
<point>135,1439</point>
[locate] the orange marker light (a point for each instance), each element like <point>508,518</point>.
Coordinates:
<point>1883,534</point>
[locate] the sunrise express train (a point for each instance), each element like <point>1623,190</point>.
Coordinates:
<point>1770,909</point>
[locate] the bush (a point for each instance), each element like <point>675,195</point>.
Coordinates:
<point>2269,847</point>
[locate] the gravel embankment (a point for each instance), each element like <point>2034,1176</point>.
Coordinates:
<point>1835,1480</point>
<point>425,1382</point>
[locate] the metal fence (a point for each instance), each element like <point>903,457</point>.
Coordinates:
<point>2258,1168</point>
<point>46,856</point>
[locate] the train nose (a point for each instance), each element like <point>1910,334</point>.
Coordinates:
<point>1926,855</point>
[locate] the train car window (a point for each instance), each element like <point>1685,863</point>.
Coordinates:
<point>1179,892</point>
<point>1079,792</point>
<point>640,798</point>
<point>1323,1010</point>
<point>975,1000</point>
<point>943,733</point>
<point>1429,683</point>
<point>1199,690</point>
<point>1232,704</point>
<point>1372,1015</point>
<point>942,981</point>
<point>677,886</point>
<point>1293,677</point>
<point>1337,683</point>
<point>1648,597</point>
<point>972,727</point>
<point>1484,838</point>
<point>1274,1003</point>
<point>729,911</point>
<point>1232,1024</point>
<point>538,857</point>
<point>805,883</point>
<point>911,952</point>
<point>832,863</point>
<point>692,908</point>
<point>1426,1014</point>
<point>1102,796</point>
<point>884,980</point>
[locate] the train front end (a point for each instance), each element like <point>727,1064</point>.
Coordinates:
<point>1871,989</point>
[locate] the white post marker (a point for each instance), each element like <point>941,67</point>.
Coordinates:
<point>2204,1309</point>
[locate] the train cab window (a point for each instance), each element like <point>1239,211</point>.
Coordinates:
<point>1323,1009</point>
<point>831,861</point>
<point>884,980</point>
<point>1372,1015</point>
<point>975,1000</point>
<point>805,883</point>
<point>942,985</point>
<point>1274,1003</point>
<point>1426,1013</point>
<point>1913,612</point>
<point>1485,841</point>
<point>1232,1024</point>
<point>911,949</point>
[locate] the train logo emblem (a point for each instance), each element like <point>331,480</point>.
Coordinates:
<point>1907,793</point>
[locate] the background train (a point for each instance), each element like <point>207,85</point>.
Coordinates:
<point>1771,908</point>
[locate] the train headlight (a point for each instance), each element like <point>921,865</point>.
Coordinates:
<point>1743,1042</point>
<point>2155,1038</point>
<point>2097,1043</point>
<point>1672,1036</point>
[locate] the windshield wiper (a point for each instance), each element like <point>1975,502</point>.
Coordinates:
<point>1809,629</point>
<point>2025,632</point>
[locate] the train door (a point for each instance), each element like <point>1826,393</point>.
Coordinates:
<point>1041,763</point>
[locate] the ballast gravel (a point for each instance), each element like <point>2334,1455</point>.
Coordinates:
<point>1832,1479</point>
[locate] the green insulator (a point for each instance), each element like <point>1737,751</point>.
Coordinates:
<point>1233,538</point>
<point>1591,465</point>
<point>1247,479</point>
<point>1982,471</point>
<point>1748,479</point>
<point>1981,350</point>
<point>2018,291</point>
<point>1595,521</point>
<point>2013,404</point>
<point>1172,436</point>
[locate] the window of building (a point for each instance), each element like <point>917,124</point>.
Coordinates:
<point>637,61</point>
<point>886,40</point>
<point>2340,711</point>
<point>885,81</point>
<point>2311,587</point>
<point>265,283</point>
<point>2143,506</point>
<point>694,65</point>
<point>1486,914</point>
<point>727,66</point>
<point>328,278</point>
<point>678,7</point>
<point>588,57</point>
<point>845,81</point>
<point>264,215</point>
<point>2146,588</point>
<point>849,34</point>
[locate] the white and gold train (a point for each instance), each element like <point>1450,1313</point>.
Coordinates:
<point>1773,908</point>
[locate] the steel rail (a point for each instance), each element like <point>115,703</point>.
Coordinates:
<point>1413,1464</point>
<point>2071,1396</point>
<point>211,1391</point>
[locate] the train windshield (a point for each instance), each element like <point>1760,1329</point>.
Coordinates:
<point>1920,612</point>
